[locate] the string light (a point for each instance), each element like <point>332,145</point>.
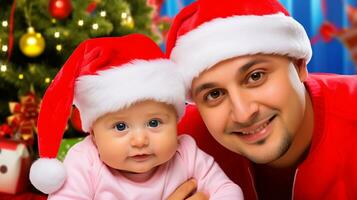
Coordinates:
<point>3,68</point>
<point>47,80</point>
<point>124,15</point>
<point>59,47</point>
<point>103,13</point>
<point>57,34</point>
<point>4,48</point>
<point>80,22</point>
<point>53,20</point>
<point>95,26</point>
<point>5,23</point>
<point>32,68</point>
<point>21,76</point>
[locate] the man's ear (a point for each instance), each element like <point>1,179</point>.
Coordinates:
<point>301,68</point>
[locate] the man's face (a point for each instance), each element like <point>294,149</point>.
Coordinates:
<point>252,105</point>
<point>137,139</point>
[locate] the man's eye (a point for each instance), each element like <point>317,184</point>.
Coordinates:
<point>214,94</point>
<point>121,126</point>
<point>154,123</point>
<point>256,76</point>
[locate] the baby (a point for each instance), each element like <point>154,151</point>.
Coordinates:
<point>130,98</point>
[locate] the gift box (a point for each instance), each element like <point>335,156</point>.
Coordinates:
<point>15,163</point>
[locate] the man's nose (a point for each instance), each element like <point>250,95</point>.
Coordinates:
<point>243,107</point>
<point>139,138</point>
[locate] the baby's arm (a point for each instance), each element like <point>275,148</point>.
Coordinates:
<point>210,177</point>
<point>78,184</point>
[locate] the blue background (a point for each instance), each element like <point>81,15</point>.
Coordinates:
<point>330,57</point>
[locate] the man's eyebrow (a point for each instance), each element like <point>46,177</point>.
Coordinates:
<point>203,87</point>
<point>250,64</point>
<point>242,70</point>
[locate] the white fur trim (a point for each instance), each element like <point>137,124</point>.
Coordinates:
<point>47,175</point>
<point>119,87</point>
<point>225,38</point>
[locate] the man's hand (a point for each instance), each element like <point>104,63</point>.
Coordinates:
<point>187,191</point>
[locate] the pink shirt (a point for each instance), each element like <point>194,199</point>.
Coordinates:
<point>89,178</point>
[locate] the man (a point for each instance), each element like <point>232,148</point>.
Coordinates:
<point>245,64</point>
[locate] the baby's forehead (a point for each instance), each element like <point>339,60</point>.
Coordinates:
<point>144,108</point>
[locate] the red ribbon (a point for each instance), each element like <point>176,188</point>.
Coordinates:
<point>6,131</point>
<point>11,29</point>
<point>24,117</point>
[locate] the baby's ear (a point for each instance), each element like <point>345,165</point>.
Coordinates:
<point>93,137</point>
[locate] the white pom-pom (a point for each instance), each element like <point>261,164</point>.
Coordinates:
<point>47,175</point>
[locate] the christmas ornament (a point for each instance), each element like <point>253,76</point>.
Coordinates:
<point>347,35</point>
<point>328,31</point>
<point>24,117</point>
<point>6,131</point>
<point>60,9</point>
<point>127,21</point>
<point>32,43</point>
<point>91,7</point>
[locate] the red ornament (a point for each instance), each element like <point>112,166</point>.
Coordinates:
<point>91,7</point>
<point>60,9</point>
<point>328,31</point>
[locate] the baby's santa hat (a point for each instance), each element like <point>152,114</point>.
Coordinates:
<point>207,32</point>
<point>102,75</point>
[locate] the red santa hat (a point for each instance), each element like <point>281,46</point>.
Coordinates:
<point>102,75</point>
<point>207,32</point>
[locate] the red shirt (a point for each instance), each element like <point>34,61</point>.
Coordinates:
<point>330,168</point>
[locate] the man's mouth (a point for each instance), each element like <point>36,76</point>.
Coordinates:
<point>256,128</point>
<point>255,132</point>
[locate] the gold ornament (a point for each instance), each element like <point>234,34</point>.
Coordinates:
<point>127,21</point>
<point>32,44</point>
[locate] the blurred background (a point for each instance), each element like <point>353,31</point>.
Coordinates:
<point>37,36</point>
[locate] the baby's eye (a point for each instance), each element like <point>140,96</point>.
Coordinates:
<point>154,123</point>
<point>121,126</point>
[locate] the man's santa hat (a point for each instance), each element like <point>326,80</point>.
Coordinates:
<point>208,31</point>
<point>102,75</point>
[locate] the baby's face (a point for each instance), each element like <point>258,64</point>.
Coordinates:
<point>138,138</point>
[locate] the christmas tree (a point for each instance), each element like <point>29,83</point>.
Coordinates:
<point>36,38</point>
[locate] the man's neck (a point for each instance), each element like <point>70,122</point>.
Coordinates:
<point>273,183</point>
